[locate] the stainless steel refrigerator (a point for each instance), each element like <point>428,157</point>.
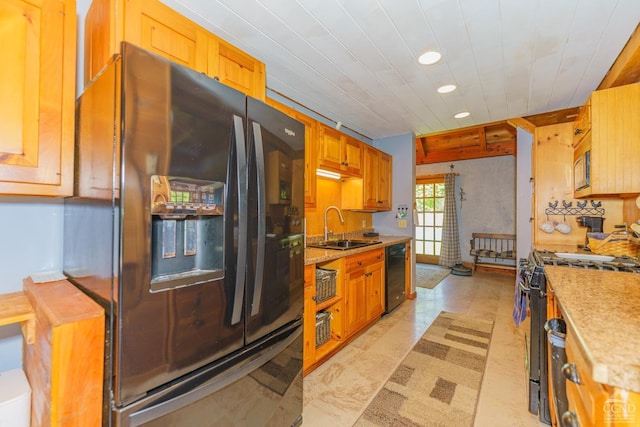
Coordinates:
<point>186,226</point>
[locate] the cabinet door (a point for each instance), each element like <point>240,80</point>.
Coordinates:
<point>371,177</point>
<point>385,181</point>
<point>353,156</point>
<point>331,148</point>
<point>582,125</point>
<point>38,87</point>
<point>615,140</point>
<point>235,68</point>
<point>355,300</point>
<point>161,30</point>
<point>377,179</point>
<point>375,290</point>
<point>310,159</point>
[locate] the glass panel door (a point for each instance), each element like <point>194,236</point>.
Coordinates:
<point>430,208</point>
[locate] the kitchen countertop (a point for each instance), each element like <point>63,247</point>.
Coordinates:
<point>315,255</point>
<point>603,308</point>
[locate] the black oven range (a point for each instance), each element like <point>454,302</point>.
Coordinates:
<point>533,282</point>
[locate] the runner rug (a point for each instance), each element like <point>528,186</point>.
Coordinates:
<point>438,382</point>
<point>428,276</point>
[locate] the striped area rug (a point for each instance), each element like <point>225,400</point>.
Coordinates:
<point>438,382</point>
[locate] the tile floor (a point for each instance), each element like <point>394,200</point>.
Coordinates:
<point>336,393</point>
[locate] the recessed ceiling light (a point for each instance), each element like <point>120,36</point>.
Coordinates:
<point>430,57</point>
<point>462,115</point>
<point>446,88</point>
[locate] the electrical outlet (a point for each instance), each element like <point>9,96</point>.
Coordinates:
<point>364,223</point>
<point>402,223</point>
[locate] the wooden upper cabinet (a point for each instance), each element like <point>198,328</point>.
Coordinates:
<point>339,152</point>
<point>582,125</point>
<point>161,30</point>
<point>353,156</point>
<point>235,68</point>
<point>385,183</point>
<point>37,106</point>
<point>614,142</point>
<point>372,192</point>
<point>377,179</point>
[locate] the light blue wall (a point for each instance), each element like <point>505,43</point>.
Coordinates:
<point>490,191</point>
<point>31,243</point>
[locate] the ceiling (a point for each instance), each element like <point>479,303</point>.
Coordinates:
<point>355,61</point>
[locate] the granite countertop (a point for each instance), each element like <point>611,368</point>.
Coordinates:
<point>603,309</point>
<point>314,255</point>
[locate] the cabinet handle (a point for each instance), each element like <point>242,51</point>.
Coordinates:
<point>570,372</point>
<point>359,262</point>
<point>570,419</point>
<point>577,132</point>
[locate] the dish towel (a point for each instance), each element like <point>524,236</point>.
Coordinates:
<point>519,302</point>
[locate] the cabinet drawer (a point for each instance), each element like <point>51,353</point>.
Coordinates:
<point>362,260</point>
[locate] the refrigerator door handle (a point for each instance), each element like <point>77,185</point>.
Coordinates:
<point>262,227</point>
<point>241,159</point>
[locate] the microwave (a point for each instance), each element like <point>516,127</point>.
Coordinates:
<point>582,171</point>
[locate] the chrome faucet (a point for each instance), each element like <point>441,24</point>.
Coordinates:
<point>326,230</point>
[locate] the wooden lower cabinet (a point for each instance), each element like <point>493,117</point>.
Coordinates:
<point>355,296</point>
<point>358,303</point>
<point>592,404</point>
<point>65,362</point>
<point>374,285</point>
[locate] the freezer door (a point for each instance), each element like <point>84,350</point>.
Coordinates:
<point>183,224</point>
<point>262,386</point>
<point>275,279</point>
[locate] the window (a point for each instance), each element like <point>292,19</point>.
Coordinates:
<point>430,209</point>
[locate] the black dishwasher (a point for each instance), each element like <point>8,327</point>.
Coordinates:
<point>394,276</point>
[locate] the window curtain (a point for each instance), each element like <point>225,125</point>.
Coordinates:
<point>450,249</point>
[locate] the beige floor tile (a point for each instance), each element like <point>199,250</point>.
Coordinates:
<point>336,393</point>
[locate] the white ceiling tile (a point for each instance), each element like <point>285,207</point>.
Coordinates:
<point>355,60</point>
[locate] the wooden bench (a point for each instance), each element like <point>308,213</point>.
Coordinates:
<point>493,250</point>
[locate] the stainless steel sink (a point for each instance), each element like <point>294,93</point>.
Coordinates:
<point>342,245</point>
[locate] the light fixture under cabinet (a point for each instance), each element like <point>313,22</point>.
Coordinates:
<point>327,174</point>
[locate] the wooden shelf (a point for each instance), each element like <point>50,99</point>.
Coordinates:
<point>15,308</point>
<point>328,303</point>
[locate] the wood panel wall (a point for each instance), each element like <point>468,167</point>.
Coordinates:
<point>553,172</point>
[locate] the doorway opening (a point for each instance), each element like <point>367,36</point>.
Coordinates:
<point>430,210</point>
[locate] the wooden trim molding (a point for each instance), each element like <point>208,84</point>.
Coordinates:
<point>626,68</point>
